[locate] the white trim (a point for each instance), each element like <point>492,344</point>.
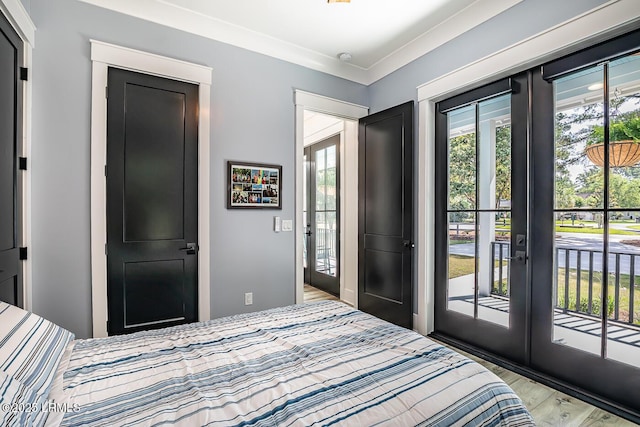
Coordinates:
<point>529,52</point>
<point>20,19</point>
<point>183,19</point>
<point>27,270</point>
<point>346,110</point>
<point>103,56</point>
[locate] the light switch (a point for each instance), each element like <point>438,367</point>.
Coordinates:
<point>277,224</point>
<point>287,225</point>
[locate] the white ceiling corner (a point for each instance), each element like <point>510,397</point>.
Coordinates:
<point>380,36</point>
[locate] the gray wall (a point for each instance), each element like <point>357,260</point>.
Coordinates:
<point>252,119</point>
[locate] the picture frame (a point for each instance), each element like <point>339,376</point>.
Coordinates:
<point>254,185</point>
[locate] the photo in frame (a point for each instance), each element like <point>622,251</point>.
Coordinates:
<point>253,185</point>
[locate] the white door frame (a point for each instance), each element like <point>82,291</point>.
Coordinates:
<point>21,22</point>
<point>103,56</point>
<point>350,112</point>
<point>592,25</point>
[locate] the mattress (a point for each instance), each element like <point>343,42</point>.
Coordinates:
<point>313,364</point>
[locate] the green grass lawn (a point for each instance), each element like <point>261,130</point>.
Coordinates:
<point>589,230</point>
<point>623,313</point>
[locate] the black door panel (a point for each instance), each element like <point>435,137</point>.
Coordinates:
<point>152,164</point>
<point>386,215</point>
<point>11,57</point>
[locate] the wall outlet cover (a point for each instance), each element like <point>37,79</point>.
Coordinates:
<point>287,225</point>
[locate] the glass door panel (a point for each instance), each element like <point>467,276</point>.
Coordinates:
<point>597,194</point>
<point>479,189</point>
<point>484,269</point>
<point>321,215</point>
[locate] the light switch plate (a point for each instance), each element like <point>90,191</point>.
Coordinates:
<point>287,225</point>
<point>277,224</point>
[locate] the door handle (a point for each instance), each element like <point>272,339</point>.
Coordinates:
<point>308,232</point>
<point>520,256</point>
<point>191,248</point>
<point>408,244</point>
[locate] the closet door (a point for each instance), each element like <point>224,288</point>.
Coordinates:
<point>11,58</point>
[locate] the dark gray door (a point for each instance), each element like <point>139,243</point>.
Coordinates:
<point>481,224</point>
<point>11,49</point>
<point>322,215</point>
<point>385,230</point>
<point>152,202</point>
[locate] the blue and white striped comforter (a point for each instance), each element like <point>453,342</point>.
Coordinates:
<point>315,364</point>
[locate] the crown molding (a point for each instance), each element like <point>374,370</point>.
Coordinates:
<point>189,21</point>
<point>470,17</point>
<point>596,22</point>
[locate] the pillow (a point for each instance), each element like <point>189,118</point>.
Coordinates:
<point>30,350</point>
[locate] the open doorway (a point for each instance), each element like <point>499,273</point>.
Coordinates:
<point>325,261</point>
<point>345,116</point>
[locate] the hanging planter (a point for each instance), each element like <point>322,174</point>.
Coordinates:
<point>624,148</point>
<point>621,153</point>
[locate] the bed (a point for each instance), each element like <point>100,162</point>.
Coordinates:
<point>321,363</point>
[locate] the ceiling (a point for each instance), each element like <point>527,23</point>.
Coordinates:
<point>380,35</point>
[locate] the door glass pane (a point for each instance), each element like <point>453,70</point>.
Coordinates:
<point>462,158</point>
<point>326,211</point>
<point>623,326</point>
<point>578,267</point>
<point>494,153</point>
<point>321,180</point>
<point>623,302</point>
<point>494,268</point>
<point>305,219</point>
<point>462,262</point>
<point>579,215</point>
<point>480,209</point>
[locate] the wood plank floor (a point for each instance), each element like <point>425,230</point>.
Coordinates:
<point>314,294</point>
<point>548,407</point>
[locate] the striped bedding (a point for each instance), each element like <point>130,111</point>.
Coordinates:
<point>314,364</point>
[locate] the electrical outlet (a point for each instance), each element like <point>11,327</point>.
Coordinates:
<point>248,298</point>
<point>287,225</point>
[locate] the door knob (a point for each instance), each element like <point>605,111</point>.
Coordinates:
<point>191,248</point>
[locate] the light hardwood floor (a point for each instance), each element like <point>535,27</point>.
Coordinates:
<point>314,294</point>
<point>548,407</point>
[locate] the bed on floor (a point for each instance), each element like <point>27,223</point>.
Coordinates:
<point>314,364</point>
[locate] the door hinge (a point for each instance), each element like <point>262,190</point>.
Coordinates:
<point>105,170</point>
<point>24,73</point>
<point>106,92</point>
<point>23,254</point>
<point>106,251</point>
<point>22,163</point>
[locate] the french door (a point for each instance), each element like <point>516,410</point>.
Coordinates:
<point>482,163</point>
<point>538,188</point>
<point>586,204</point>
<point>321,213</point>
